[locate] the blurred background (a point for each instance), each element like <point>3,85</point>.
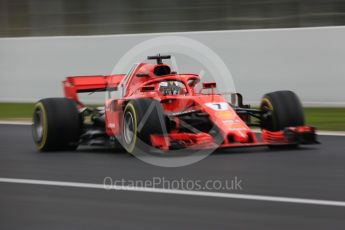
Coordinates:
<point>89,17</point>
<point>308,60</point>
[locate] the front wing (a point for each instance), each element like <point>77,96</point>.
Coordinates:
<point>288,136</point>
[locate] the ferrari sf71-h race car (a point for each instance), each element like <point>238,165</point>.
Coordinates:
<point>164,110</point>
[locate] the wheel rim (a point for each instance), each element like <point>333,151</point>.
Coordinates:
<point>38,125</point>
<point>267,116</point>
<point>128,128</point>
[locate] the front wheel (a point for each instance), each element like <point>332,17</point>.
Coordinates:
<point>281,109</point>
<point>141,118</point>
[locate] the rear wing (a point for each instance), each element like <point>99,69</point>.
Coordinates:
<point>80,84</point>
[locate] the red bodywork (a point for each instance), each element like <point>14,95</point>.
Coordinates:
<point>142,82</point>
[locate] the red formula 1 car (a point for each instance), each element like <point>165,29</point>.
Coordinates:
<point>164,110</point>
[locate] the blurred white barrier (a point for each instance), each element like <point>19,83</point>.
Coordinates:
<point>310,61</point>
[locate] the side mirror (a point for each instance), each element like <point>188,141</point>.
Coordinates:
<point>209,85</point>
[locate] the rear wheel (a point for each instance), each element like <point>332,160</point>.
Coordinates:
<point>56,124</point>
<point>141,118</point>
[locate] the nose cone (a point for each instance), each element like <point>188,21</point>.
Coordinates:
<point>240,136</point>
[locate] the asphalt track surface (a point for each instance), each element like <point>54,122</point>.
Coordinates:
<point>314,172</point>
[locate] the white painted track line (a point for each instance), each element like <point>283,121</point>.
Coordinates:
<point>331,133</point>
<point>322,133</point>
<point>177,192</point>
<point>15,122</point>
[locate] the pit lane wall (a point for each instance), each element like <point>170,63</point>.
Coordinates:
<point>309,61</point>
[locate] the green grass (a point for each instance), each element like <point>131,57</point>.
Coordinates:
<point>13,111</point>
<point>321,118</point>
<point>326,118</point>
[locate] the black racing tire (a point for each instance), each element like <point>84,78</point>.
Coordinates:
<point>281,109</point>
<point>141,118</point>
<point>56,124</point>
